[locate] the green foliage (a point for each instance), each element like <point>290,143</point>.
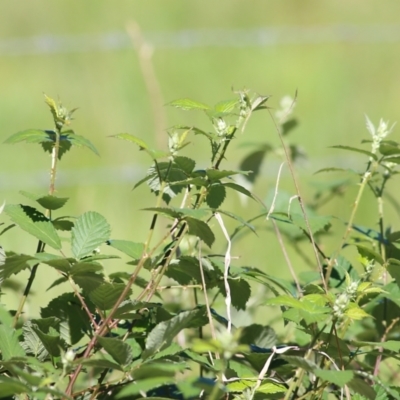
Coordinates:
<point>106,337</point>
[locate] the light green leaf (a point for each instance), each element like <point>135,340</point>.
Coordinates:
<point>117,349</point>
<point>131,249</point>
<point>357,150</point>
<point>163,334</point>
<point>90,230</point>
<point>29,136</point>
<point>185,163</point>
<point>32,343</point>
<point>34,222</point>
<point>391,345</point>
<point>58,262</point>
<point>226,106</point>
<point>9,344</point>
<point>200,229</point>
<point>10,387</point>
<point>271,387</point>
<point>106,295</point>
<point>154,154</point>
<point>339,378</point>
<point>187,104</point>
<point>354,312</point>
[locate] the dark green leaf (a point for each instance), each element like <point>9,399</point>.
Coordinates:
<point>32,344</point>
<point>106,295</point>
<point>51,340</point>
<point>15,264</point>
<point>216,175</point>
<point>200,229</point>
<point>163,334</point>
<point>215,196</point>
<point>91,230</point>
<point>58,262</point>
<point>240,189</point>
<point>99,363</point>
<point>10,387</point>
<point>289,125</point>
<point>62,224</point>
<point>142,386</point>
<point>48,202</point>
<point>185,163</point>
<point>240,292</point>
<point>117,349</point>
<point>259,335</point>
<point>154,154</point>
<point>34,222</point>
<point>187,104</point>
<point>80,141</point>
<point>131,249</point>
<point>252,162</point>
<point>82,268</point>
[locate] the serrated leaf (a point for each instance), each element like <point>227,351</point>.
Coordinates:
<point>253,161</point>
<point>215,196</point>
<point>106,295</point>
<point>117,349</point>
<point>185,163</point>
<point>142,386</point>
<point>354,312</point>
<point>52,341</point>
<point>99,363</point>
<point>90,230</point>
<point>131,249</point>
<point>258,335</point>
<point>240,292</point>
<point>271,387</point>
<point>356,150</point>
<point>52,202</point>
<point>79,141</point>
<point>9,344</point>
<point>74,320</point>
<point>227,106</point>
<point>15,264</point>
<point>339,378</point>
<point>163,334</point>
<point>83,268</point>
<point>216,175</point>
<point>32,343</point>
<point>187,104</point>
<point>58,262</point>
<point>89,281</point>
<point>240,189</point>
<point>154,154</point>
<point>62,224</point>
<point>35,223</point>
<point>201,230</point>
<point>29,136</point>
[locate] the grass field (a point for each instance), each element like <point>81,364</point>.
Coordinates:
<point>342,57</point>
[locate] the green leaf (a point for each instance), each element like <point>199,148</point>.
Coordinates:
<point>200,229</point>
<point>253,161</point>
<point>158,369</point>
<point>271,387</point>
<point>239,219</point>
<point>185,163</point>
<point>83,268</point>
<point>58,262</point>
<point>187,104</point>
<point>239,188</point>
<point>226,107</point>
<point>289,126</point>
<point>89,281</point>
<point>357,150</point>
<point>215,175</point>
<point>62,224</point>
<point>154,154</point>
<point>80,141</point>
<point>106,295</point>
<point>48,202</point>
<point>339,378</point>
<point>215,196</point>
<point>175,212</point>
<point>35,223</point>
<point>163,334</point>
<point>51,340</point>
<point>32,344</point>
<point>259,335</point>
<point>131,249</point>
<point>90,230</point>
<point>15,264</point>
<point>117,349</point>
<point>317,223</point>
<point>143,386</point>
<point>240,292</point>
<point>10,387</point>
<point>9,344</point>
<point>99,363</point>
<point>29,136</point>
<point>74,321</point>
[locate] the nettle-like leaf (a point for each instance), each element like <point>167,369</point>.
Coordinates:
<point>35,223</point>
<point>9,343</point>
<point>32,344</point>
<point>154,154</point>
<point>90,230</point>
<point>106,295</point>
<point>74,321</point>
<point>253,161</point>
<point>258,335</point>
<point>58,262</point>
<point>120,351</point>
<point>29,136</point>
<point>79,141</point>
<point>357,150</point>
<point>188,104</point>
<point>49,202</point>
<point>186,164</point>
<point>215,196</point>
<point>163,334</point>
<point>15,264</point>
<point>215,175</point>
<point>131,249</point>
<point>201,230</point>
<point>240,292</point>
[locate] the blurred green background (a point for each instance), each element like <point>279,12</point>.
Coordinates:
<point>343,58</point>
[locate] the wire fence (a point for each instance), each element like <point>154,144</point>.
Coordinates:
<point>196,38</point>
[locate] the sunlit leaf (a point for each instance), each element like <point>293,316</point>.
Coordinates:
<point>188,104</point>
